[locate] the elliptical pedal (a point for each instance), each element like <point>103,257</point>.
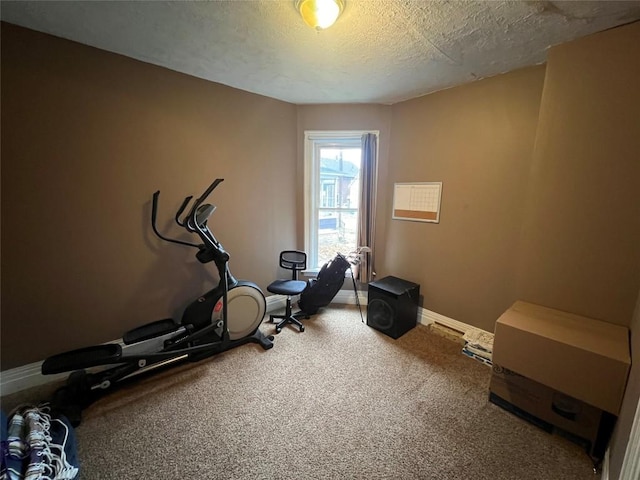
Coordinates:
<point>82,358</point>
<point>150,330</point>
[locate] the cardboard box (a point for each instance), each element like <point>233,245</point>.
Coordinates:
<point>586,359</point>
<point>553,411</point>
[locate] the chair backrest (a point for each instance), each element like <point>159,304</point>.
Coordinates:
<point>293,260</point>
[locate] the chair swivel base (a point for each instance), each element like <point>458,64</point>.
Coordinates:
<point>287,319</point>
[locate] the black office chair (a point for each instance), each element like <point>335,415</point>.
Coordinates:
<point>295,261</point>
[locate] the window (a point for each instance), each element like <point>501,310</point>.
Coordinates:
<point>332,194</point>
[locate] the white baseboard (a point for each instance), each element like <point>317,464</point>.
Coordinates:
<point>28,376</point>
<point>427,317</point>
<point>349,297</point>
<point>275,302</point>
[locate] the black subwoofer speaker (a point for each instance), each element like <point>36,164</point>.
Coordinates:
<point>393,306</point>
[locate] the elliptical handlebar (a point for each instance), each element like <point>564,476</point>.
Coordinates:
<point>211,250</point>
<point>181,209</point>
<point>190,221</point>
<point>154,214</point>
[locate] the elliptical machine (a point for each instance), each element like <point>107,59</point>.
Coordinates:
<point>225,317</point>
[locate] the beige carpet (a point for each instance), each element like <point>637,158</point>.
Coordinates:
<point>339,401</point>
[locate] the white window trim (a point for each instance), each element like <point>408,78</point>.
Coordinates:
<point>310,137</point>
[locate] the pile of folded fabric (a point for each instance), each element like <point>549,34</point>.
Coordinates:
<point>37,445</point>
<point>478,344</point>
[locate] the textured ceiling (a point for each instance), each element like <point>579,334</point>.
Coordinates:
<point>379,51</point>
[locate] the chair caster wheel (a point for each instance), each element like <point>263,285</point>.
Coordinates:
<point>302,329</point>
<point>278,330</point>
<point>271,337</point>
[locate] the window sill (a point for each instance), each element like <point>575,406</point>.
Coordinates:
<point>313,273</point>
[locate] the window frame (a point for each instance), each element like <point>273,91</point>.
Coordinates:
<point>313,141</point>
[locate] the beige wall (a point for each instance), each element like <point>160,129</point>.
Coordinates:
<point>87,137</point>
<point>581,232</point>
<point>477,139</point>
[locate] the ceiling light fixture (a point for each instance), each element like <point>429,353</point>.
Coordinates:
<point>320,14</point>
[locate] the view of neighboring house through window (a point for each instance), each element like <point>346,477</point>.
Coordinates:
<point>332,194</point>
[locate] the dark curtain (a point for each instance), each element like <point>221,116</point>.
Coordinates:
<point>367,224</point>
